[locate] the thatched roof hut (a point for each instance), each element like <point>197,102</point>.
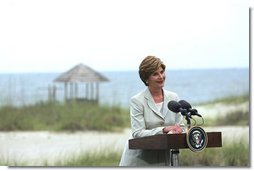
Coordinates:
<point>78,75</point>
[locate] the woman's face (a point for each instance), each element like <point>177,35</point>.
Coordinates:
<point>157,79</point>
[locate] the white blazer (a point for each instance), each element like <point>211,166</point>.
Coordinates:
<point>147,120</point>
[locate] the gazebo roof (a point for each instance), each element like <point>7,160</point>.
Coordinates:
<point>81,73</point>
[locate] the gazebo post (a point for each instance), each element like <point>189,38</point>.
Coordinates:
<point>76,91</point>
<point>54,93</point>
<point>49,93</point>
<point>65,91</point>
<point>92,94</point>
<point>97,92</point>
<point>87,90</point>
<point>71,91</point>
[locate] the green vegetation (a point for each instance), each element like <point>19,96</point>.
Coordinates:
<point>231,154</point>
<point>236,118</point>
<point>63,117</point>
<point>228,100</point>
<point>93,159</point>
<point>80,116</point>
<point>89,116</point>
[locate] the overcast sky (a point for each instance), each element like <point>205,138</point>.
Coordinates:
<point>55,35</point>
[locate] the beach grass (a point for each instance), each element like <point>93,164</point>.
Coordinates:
<point>103,158</point>
<point>234,99</point>
<point>82,116</point>
<point>231,154</point>
<point>237,117</point>
<point>88,116</point>
<point>73,116</point>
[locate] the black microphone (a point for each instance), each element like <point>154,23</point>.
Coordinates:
<point>194,112</point>
<point>187,106</point>
<point>176,107</point>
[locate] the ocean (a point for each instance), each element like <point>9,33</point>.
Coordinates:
<point>195,86</point>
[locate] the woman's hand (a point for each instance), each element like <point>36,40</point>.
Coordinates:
<point>175,129</point>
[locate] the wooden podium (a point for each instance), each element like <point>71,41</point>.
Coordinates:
<point>168,142</point>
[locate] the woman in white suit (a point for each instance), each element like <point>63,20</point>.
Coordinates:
<point>149,114</point>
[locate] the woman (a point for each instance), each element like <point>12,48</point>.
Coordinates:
<point>149,114</point>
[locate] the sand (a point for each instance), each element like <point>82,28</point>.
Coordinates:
<point>36,148</point>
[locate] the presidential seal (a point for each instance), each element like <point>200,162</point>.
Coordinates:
<point>196,139</point>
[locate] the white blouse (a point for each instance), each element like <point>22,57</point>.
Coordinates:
<point>160,107</point>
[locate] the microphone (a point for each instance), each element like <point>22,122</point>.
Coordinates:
<point>194,112</point>
<point>176,107</point>
<point>187,106</point>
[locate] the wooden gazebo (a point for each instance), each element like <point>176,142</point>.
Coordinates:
<point>81,76</point>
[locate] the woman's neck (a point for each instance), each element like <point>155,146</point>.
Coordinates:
<point>157,94</point>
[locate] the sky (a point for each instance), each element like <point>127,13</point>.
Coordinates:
<point>112,35</point>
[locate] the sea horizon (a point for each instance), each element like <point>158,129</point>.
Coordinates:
<point>194,85</point>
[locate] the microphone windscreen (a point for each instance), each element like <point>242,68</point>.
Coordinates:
<point>174,106</point>
<point>184,104</point>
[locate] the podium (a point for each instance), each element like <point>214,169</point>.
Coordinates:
<point>169,142</point>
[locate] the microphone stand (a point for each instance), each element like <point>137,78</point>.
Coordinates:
<point>187,115</point>
<point>174,155</point>
<point>187,118</point>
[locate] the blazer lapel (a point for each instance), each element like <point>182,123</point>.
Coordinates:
<point>165,104</point>
<point>151,103</point>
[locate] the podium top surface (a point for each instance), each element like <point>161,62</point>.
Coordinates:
<point>171,141</point>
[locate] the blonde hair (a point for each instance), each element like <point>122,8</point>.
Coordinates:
<point>148,66</point>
